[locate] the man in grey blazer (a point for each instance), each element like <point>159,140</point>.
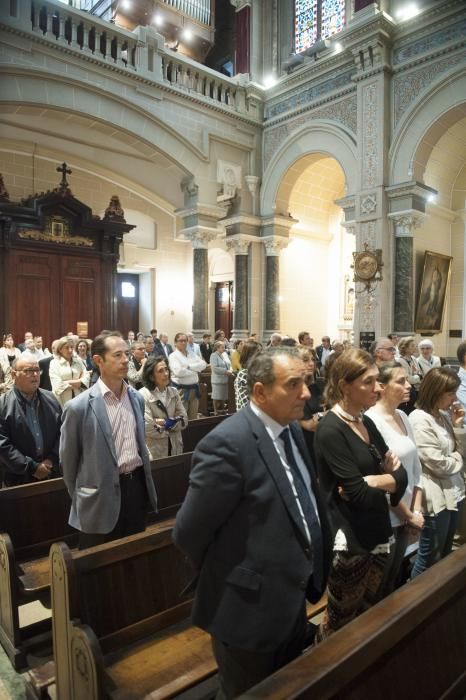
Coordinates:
<point>103,453</point>
<point>253,527</point>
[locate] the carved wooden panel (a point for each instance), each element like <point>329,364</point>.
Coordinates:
<point>32,289</point>
<point>81,293</point>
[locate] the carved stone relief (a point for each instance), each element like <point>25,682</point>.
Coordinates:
<point>408,86</point>
<point>369,136</point>
<point>369,203</point>
<point>343,111</point>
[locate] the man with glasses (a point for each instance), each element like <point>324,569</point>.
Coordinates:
<point>30,420</point>
<point>383,350</point>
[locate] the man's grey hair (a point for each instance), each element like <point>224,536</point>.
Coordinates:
<point>262,369</point>
<point>375,345</point>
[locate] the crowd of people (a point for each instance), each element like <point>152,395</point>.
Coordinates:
<point>336,460</point>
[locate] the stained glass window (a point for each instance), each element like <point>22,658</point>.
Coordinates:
<point>305,24</point>
<point>333,17</point>
<point>317,19</point>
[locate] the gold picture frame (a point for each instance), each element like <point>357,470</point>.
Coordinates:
<point>432,293</point>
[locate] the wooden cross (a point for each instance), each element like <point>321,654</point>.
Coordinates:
<point>64,171</point>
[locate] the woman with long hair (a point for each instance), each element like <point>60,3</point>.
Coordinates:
<point>8,352</point>
<point>248,351</point>
<point>356,471</point>
<point>440,436</point>
<point>407,348</point>
<point>394,426</point>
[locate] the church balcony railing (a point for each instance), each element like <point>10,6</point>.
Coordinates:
<point>141,52</point>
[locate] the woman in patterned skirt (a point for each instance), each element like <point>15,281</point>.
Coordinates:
<point>356,471</point>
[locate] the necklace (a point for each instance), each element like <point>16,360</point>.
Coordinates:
<point>347,416</point>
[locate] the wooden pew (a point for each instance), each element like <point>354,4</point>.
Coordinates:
<point>411,645</point>
<point>197,429</point>
<point>34,516</point>
<point>120,627</point>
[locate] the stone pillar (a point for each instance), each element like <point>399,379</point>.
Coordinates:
<point>201,227</point>
<point>273,246</point>
<point>404,309</point>
<point>240,246</point>
<point>407,205</point>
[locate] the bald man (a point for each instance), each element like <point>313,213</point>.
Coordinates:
<point>30,420</point>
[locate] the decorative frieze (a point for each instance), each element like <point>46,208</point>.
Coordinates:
<point>300,97</point>
<point>430,42</point>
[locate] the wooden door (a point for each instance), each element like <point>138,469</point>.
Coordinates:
<point>224,307</point>
<point>128,303</point>
<point>32,281</point>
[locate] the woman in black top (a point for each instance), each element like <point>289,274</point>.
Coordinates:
<point>356,472</point>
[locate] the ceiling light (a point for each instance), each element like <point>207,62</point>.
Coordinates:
<point>125,4</point>
<point>187,34</point>
<point>338,47</point>
<point>269,81</point>
<point>407,11</point>
<point>157,20</point>
<point>431,198</point>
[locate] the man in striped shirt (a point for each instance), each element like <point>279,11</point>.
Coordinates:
<point>103,453</point>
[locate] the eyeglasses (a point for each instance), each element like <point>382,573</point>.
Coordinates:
<point>391,349</point>
<point>29,372</point>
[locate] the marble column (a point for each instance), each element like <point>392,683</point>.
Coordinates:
<point>403,315</point>
<point>241,288</point>
<point>273,246</point>
<point>200,242</point>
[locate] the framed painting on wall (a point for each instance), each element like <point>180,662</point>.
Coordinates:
<point>432,293</point>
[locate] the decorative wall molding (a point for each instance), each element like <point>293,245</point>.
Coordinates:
<point>431,41</point>
<point>369,203</point>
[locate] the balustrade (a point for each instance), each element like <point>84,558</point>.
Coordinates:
<point>141,51</point>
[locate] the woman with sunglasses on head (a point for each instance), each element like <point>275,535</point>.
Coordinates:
<point>164,415</point>
<point>440,437</point>
<point>356,471</point>
<point>406,518</point>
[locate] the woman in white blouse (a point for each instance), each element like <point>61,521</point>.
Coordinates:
<point>68,374</point>
<point>440,437</point>
<point>8,352</point>
<point>396,430</point>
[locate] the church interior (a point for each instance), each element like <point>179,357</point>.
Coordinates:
<point>262,166</point>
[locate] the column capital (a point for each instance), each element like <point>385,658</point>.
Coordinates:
<point>199,236</point>
<point>239,245</point>
<point>274,244</point>
<point>409,195</point>
<point>405,222</point>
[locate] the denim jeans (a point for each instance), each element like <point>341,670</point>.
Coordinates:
<point>436,539</point>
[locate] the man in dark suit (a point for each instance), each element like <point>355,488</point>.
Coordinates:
<point>253,527</point>
<point>323,351</point>
<point>30,420</point>
<point>166,347</point>
<point>206,347</point>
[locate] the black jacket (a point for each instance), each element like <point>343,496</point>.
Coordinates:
<point>17,442</point>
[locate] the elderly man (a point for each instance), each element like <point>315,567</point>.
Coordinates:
<point>192,346</point>
<point>136,364</point>
<point>254,529</point>
<point>166,347</point>
<point>105,460</point>
<point>185,366</point>
<point>383,350</point>
<point>30,420</point>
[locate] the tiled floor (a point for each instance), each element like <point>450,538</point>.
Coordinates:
<point>12,686</point>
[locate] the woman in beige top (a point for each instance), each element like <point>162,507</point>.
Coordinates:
<point>68,374</point>
<point>164,414</point>
<point>440,438</point>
